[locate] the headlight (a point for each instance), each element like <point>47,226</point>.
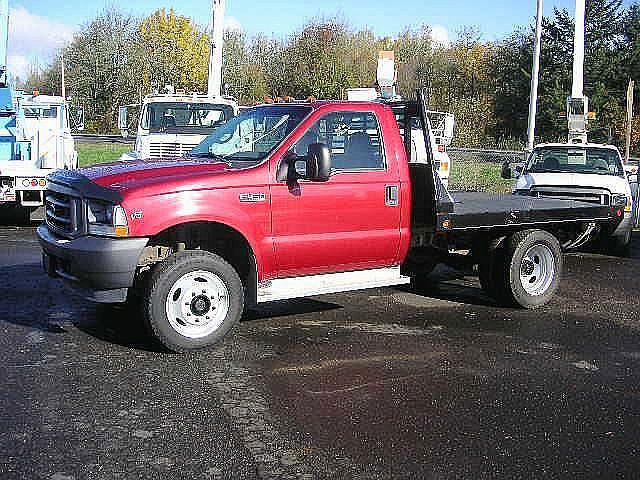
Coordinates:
<point>106,219</point>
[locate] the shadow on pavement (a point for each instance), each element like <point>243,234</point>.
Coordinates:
<point>446,283</point>
<point>16,217</point>
<point>285,308</point>
<point>119,324</point>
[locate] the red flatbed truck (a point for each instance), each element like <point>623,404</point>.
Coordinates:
<point>293,200</point>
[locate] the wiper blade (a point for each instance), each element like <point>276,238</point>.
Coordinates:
<point>218,158</point>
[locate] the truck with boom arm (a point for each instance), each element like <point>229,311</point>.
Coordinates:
<point>173,122</point>
<point>578,169</point>
<point>290,200</point>
<point>35,137</point>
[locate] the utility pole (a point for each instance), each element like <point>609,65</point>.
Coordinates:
<point>217,39</point>
<point>535,73</point>
<point>630,90</point>
<point>64,86</point>
<point>4,40</point>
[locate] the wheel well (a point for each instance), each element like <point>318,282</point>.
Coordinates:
<point>208,236</point>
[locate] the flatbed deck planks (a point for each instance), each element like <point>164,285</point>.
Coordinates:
<point>480,211</point>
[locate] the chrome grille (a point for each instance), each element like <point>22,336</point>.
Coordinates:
<point>170,150</point>
<point>60,212</point>
<point>589,195</point>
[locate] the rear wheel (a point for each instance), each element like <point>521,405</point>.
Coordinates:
<point>192,300</point>
<point>526,273</point>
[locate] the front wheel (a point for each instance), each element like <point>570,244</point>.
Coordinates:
<point>192,300</point>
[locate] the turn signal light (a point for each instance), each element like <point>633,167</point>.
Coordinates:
<point>122,231</point>
<point>444,166</point>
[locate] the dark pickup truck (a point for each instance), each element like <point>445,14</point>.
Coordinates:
<point>292,200</point>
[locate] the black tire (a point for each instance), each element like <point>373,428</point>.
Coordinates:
<point>512,291</point>
<point>419,265</point>
<point>162,280</point>
<point>617,246</point>
<point>491,269</point>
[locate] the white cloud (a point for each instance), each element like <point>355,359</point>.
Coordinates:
<point>19,65</point>
<point>440,35</point>
<point>232,24</point>
<point>33,40</point>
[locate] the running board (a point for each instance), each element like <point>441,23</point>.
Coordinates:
<point>297,287</point>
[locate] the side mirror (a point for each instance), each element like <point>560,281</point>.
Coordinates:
<point>318,163</point>
<point>506,171</point>
<point>77,119</point>
<point>123,121</point>
<point>516,172</point>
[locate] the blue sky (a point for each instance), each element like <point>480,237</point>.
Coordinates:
<point>37,26</point>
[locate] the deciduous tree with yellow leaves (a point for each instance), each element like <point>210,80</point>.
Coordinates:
<point>176,52</point>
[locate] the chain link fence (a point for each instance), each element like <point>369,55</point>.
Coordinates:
<point>474,170</point>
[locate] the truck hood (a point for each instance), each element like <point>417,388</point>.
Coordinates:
<point>610,182</point>
<point>123,176</point>
<point>12,168</point>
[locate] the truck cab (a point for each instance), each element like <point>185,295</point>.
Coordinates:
<point>170,125</point>
<point>589,172</point>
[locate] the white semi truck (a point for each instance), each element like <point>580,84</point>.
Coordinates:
<point>35,138</point>
<point>43,123</point>
<point>171,124</point>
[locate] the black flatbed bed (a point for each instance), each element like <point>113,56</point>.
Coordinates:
<point>473,211</point>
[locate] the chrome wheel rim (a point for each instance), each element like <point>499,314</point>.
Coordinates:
<point>537,270</point>
<point>197,304</point>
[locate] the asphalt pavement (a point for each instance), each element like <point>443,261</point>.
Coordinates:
<point>433,383</point>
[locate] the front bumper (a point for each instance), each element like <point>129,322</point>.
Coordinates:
<point>101,269</point>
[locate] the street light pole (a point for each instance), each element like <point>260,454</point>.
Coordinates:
<point>64,86</point>
<point>533,104</point>
<point>217,39</point>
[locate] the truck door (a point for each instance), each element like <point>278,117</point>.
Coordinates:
<point>352,221</point>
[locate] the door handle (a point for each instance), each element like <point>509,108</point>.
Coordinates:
<point>391,195</point>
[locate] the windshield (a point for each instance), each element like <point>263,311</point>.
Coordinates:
<point>602,161</point>
<point>39,111</point>
<point>184,117</point>
<point>254,134</point>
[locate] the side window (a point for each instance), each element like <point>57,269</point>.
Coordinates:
<point>353,139</point>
